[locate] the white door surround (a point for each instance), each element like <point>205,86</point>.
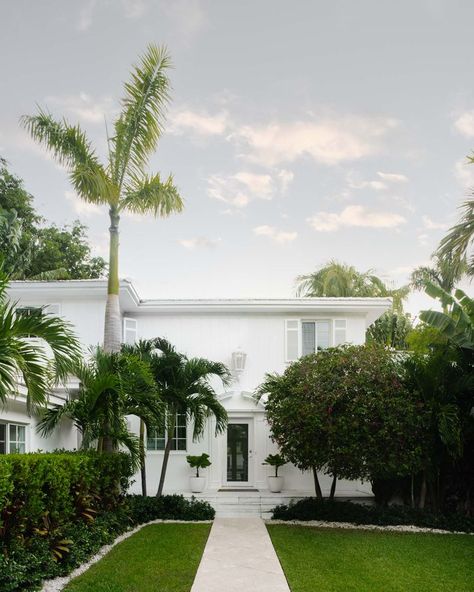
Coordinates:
<point>238,467</point>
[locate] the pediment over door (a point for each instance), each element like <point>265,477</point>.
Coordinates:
<point>241,401</point>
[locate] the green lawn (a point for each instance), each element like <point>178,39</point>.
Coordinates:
<point>336,560</point>
<point>159,558</point>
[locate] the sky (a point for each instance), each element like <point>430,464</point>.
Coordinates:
<point>298,132</point>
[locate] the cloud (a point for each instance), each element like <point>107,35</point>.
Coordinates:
<point>278,236</point>
<point>85,107</point>
<point>201,124</point>
<point>328,141</point>
<point>376,185</point>
<point>354,216</point>
<point>82,207</point>
<point>187,16</point>
<point>244,186</point>
<point>464,173</point>
<point>85,15</point>
<point>199,241</point>
<point>134,9</point>
<point>464,124</point>
<point>423,239</point>
<point>393,177</point>
<point>430,224</point>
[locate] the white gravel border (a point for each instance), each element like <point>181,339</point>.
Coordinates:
<point>350,525</point>
<point>57,584</point>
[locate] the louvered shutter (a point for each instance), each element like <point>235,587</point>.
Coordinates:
<point>292,340</point>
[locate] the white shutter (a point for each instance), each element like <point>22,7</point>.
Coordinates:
<point>292,340</point>
<point>340,336</point>
<point>129,330</point>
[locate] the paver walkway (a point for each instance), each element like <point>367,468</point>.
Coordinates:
<point>239,556</point>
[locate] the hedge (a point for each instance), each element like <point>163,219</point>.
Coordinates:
<point>333,511</point>
<point>58,509</point>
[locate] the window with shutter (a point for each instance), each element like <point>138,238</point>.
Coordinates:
<point>292,340</point>
<point>129,330</point>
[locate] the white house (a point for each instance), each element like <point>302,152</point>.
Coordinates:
<point>252,337</point>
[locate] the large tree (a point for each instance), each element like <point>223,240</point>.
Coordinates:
<point>123,184</point>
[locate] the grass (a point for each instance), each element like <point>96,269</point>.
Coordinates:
<point>158,558</point>
<point>336,560</point>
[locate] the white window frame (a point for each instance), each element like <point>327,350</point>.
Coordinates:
<point>8,425</point>
<point>299,330</point>
<point>164,438</point>
<point>129,325</point>
<point>317,320</point>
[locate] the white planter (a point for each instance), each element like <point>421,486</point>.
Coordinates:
<point>197,484</point>
<point>275,484</point>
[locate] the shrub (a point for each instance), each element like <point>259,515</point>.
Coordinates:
<point>333,511</point>
<point>168,507</point>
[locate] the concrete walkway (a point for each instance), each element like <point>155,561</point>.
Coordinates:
<point>239,556</point>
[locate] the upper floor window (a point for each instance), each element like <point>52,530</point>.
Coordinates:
<point>12,438</point>
<point>156,438</point>
<point>308,336</point>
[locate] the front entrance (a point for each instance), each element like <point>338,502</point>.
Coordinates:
<point>239,453</point>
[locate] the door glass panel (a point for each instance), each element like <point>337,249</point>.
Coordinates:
<point>3,438</point>
<point>237,452</point>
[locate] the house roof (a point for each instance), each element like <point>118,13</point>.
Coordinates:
<point>131,303</point>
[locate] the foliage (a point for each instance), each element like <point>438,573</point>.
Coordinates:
<point>311,508</point>
<point>342,560</point>
<point>34,250</point>
<point>39,349</point>
<point>458,243</point>
<point>457,325</point>
<point>168,507</point>
<point>112,386</point>
<point>345,411</point>
<point>275,460</point>
<point>124,183</point>
<point>422,339</point>
<point>391,329</point>
<point>198,462</point>
<point>336,279</point>
<point>445,273</point>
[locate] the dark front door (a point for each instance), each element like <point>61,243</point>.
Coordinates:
<point>238,452</point>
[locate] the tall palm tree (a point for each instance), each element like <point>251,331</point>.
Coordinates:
<point>338,280</point>
<point>185,387</point>
<point>112,386</point>
<point>123,184</point>
<point>36,349</point>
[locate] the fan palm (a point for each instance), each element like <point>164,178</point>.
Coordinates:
<point>112,386</point>
<point>123,184</point>
<point>184,385</point>
<point>38,350</point>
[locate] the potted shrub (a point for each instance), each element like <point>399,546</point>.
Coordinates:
<point>197,482</point>
<point>275,482</point>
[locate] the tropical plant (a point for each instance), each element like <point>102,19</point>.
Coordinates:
<point>112,386</point>
<point>458,243</point>
<point>123,185</point>
<point>198,462</point>
<point>339,280</point>
<point>391,329</point>
<point>457,324</point>
<point>185,387</point>
<point>275,460</point>
<point>37,349</point>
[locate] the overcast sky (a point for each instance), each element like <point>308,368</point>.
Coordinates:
<point>298,131</point>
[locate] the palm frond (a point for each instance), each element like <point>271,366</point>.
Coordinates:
<point>150,194</point>
<point>460,238</point>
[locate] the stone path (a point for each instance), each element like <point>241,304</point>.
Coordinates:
<point>239,556</point>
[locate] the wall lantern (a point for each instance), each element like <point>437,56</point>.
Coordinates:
<point>238,361</point>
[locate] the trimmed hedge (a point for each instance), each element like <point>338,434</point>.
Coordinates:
<point>332,511</point>
<point>59,509</point>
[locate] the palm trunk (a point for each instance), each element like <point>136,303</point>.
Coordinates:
<point>142,456</point>
<point>333,488</point>
<point>169,443</point>
<point>317,486</point>
<point>112,328</point>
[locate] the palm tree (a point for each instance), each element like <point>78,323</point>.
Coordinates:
<point>112,386</point>
<point>184,386</point>
<point>339,280</point>
<point>36,349</point>
<point>123,184</point>
<point>458,243</point>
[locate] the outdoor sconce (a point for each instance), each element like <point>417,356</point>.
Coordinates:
<point>238,361</point>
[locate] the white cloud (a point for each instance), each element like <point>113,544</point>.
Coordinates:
<point>134,9</point>
<point>82,207</point>
<point>354,216</point>
<point>285,177</point>
<point>375,185</point>
<point>85,107</point>
<point>199,241</point>
<point>261,185</point>
<point>393,177</point>
<point>329,141</point>
<point>201,124</point>
<point>187,16</point>
<point>464,173</point>
<point>430,224</point>
<point>423,239</point>
<point>278,236</point>
<point>85,15</point>
<point>465,124</point>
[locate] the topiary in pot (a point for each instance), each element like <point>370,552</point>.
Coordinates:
<point>275,482</point>
<point>202,461</point>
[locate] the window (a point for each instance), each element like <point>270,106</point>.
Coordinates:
<point>303,337</point>
<point>315,335</point>
<point>156,438</point>
<point>129,330</point>
<point>12,438</point>
<point>340,326</point>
